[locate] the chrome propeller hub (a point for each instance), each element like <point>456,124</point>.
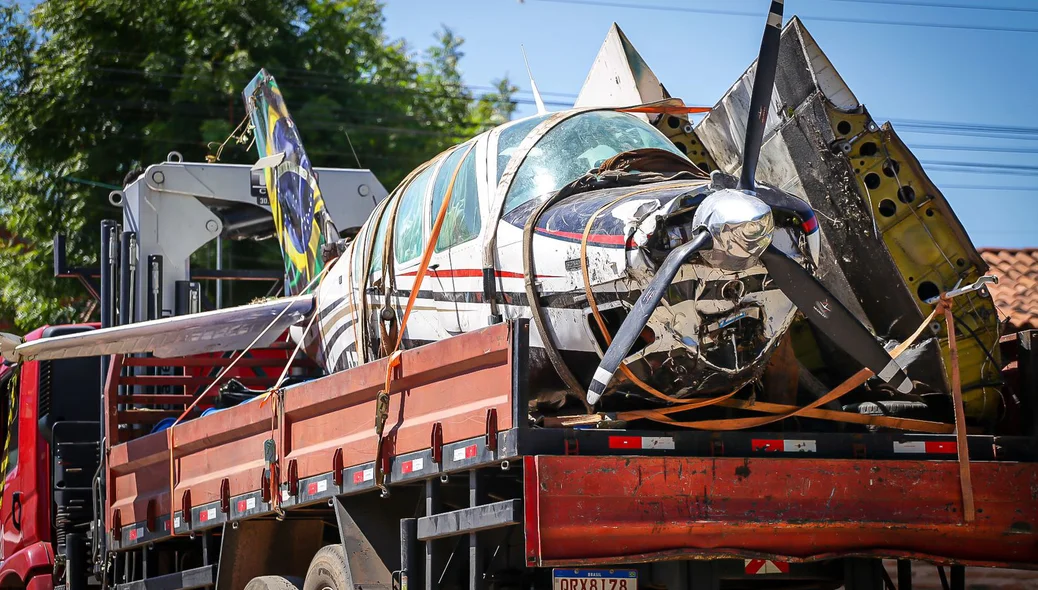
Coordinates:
<point>740,224</point>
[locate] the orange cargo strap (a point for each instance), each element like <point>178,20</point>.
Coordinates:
<point>689,404</point>
<point>382,399</point>
<point>782,412</point>
<point>171,431</point>
<point>965,479</point>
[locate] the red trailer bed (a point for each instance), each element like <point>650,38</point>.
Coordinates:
<point>589,496</point>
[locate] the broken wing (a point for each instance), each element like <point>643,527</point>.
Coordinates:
<point>215,331</point>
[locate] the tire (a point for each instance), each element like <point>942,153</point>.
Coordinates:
<point>328,570</point>
<point>274,583</point>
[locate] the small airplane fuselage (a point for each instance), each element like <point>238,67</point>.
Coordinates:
<point>720,319</point>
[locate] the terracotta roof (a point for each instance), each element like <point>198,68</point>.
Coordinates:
<point>1016,293</point>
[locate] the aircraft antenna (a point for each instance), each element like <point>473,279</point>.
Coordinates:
<point>536,93</point>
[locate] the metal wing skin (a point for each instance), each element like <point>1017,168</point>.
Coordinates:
<point>215,331</point>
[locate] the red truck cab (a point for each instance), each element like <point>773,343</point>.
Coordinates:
<point>30,501</point>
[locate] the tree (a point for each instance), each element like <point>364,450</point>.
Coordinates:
<point>92,90</point>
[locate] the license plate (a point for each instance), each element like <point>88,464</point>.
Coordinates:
<point>594,579</point>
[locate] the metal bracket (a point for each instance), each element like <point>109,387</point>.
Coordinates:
<point>978,285</point>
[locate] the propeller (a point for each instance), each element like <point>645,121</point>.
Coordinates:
<point>734,232</point>
<point>832,318</point>
<point>760,98</point>
<point>643,308</point>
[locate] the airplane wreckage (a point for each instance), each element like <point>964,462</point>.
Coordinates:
<point>671,270</point>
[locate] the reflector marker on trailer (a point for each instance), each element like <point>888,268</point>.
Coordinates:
<point>784,446</point>
<point>365,475</point>
<point>939,447</point>
<point>641,442</point>
<point>316,487</point>
<point>465,453</point>
<point>412,466</point>
<point>766,566</point>
<point>207,515</point>
<point>137,533</point>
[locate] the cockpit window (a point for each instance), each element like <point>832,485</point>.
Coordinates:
<point>510,139</point>
<point>577,145</point>
<point>407,235</point>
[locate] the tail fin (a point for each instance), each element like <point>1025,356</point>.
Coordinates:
<point>301,221</point>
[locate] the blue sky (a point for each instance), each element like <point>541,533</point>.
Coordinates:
<point>901,73</point>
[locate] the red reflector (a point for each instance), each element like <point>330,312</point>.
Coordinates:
<point>241,506</point>
<point>767,445</point>
<point>470,451</point>
<point>406,467</point>
<point>312,488</point>
<point>766,566</point>
<point>625,442</point>
<point>941,447</point>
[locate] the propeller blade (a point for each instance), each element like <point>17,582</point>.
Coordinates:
<point>780,200</point>
<point>760,99</point>
<point>639,315</point>
<point>831,317</point>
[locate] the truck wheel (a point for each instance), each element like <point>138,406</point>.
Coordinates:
<point>328,570</point>
<point>274,583</point>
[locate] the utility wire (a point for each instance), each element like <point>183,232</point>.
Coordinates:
<point>941,5</point>
<point>988,187</point>
<point>758,14</point>
<point>976,148</point>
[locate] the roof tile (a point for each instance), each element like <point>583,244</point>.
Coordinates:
<point>1016,293</point>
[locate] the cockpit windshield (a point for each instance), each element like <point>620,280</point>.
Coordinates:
<point>577,145</point>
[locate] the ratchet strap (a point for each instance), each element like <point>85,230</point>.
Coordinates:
<point>382,399</point>
<point>171,431</point>
<point>601,322</point>
<point>782,412</point>
<point>779,411</point>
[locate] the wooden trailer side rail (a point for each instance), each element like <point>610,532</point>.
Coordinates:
<point>327,425</point>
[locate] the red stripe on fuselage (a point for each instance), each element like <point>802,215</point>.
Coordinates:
<point>810,225</point>
<point>612,240</point>
<point>474,273</point>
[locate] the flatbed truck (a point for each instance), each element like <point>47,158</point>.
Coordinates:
<point>290,490</point>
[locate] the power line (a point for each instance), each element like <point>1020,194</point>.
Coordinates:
<point>976,148</point>
<point>982,168</point>
<point>1008,131</point>
<point>300,82</point>
<point>760,15</point>
<point>986,187</point>
<point>942,5</point>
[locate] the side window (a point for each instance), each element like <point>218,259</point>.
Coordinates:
<point>407,235</point>
<point>462,221</point>
<point>380,240</point>
<point>9,407</point>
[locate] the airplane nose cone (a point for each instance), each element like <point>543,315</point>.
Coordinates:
<point>740,224</point>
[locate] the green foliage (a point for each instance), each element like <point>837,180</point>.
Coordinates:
<point>94,89</point>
